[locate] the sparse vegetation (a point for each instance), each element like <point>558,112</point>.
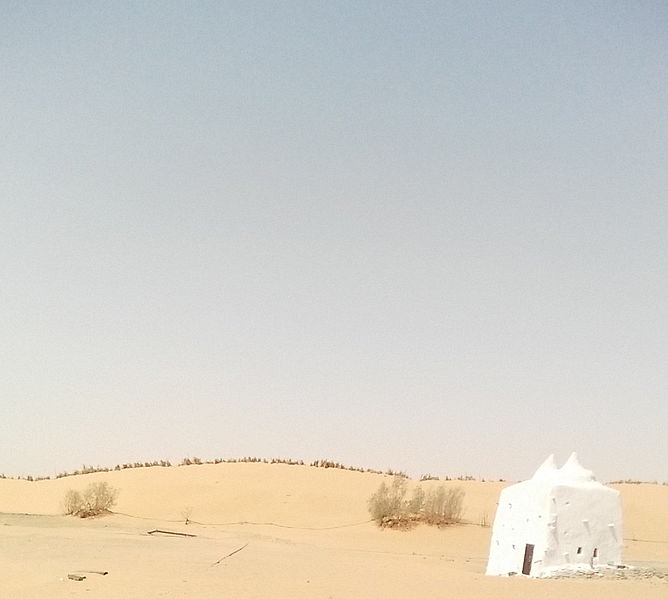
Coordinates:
<point>388,505</point>
<point>400,473</point>
<point>416,502</point>
<point>438,506</point>
<point>443,505</point>
<point>98,498</point>
<point>635,481</point>
<point>72,503</point>
<point>189,461</point>
<point>186,512</point>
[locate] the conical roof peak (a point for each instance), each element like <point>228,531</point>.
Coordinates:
<point>572,470</point>
<point>546,469</point>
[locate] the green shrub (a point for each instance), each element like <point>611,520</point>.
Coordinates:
<point>97,498</point>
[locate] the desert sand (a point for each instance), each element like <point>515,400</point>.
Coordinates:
<point>280,531</point>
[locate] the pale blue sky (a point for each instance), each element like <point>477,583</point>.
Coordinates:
<point>423,235</point>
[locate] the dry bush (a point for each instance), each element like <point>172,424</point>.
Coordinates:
<point>97,498</point>
<point>72,503</point>
<point>416,502</point>
<point>443,505</point>
<point>389,507</point>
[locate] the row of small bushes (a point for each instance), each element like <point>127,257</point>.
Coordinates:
<point>461,477</point>
<point>187,461</point>
<point>633,481</point>
<point>390,508</point>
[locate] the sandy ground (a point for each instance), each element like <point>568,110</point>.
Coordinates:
<point>299,532</point>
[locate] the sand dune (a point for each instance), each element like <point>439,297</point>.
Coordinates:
<point>304,532</point>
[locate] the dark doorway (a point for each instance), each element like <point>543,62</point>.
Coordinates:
<point>528,557</point>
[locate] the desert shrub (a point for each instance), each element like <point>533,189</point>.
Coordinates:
<point>392,472</point>
<point>443,505</point>
<point>96,499</point>
<point>389,507</point>
<point>416,502</point>
<point>72,503</point>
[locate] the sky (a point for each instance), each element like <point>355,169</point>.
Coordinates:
<point>429,236</point>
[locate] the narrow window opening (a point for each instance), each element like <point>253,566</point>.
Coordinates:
<point>579,550</point>
<point>595,551</point>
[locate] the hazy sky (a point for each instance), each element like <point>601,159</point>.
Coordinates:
<point>423,235</point>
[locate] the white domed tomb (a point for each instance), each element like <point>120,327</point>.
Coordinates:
<point>560,519</point>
